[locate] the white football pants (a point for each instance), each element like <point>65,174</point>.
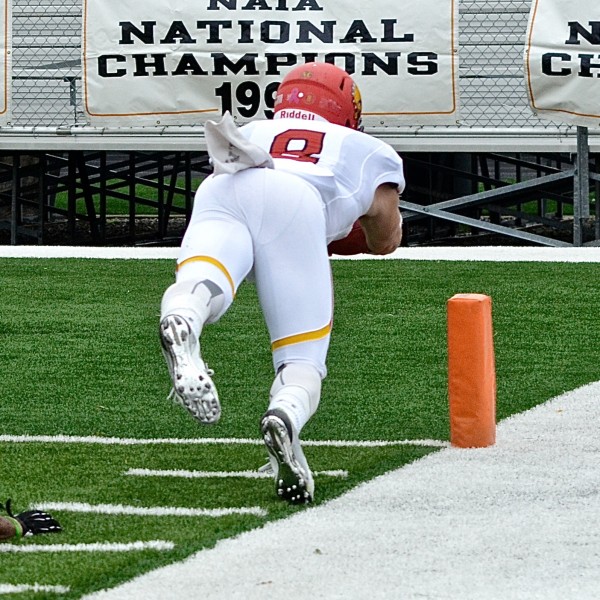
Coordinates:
<point>270,225</point>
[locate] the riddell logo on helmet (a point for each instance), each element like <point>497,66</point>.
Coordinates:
<point>292,113</point>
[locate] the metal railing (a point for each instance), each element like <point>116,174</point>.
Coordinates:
<point>490,172</point>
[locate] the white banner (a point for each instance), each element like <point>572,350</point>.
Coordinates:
<point>161,62</point>
<point>5,60</point>
<point>562,61</point>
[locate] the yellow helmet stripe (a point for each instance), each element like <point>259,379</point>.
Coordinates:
<point>212,261</point>
<point>309,336</point>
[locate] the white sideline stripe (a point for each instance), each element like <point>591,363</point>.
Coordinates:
<point>446,253</point>
<point>74,439</point>
<point>147,511</point>
<point>159,545</point>
<point>487,254</point>
<point>88,252</point>
<point>8,588</point>
<point>515,520</point>
<point>220,474</point>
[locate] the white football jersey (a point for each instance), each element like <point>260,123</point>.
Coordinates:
<point>344,165</point>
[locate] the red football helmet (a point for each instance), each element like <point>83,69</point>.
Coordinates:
<point>322,89</point>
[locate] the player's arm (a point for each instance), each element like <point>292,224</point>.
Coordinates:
<point>382,225</point>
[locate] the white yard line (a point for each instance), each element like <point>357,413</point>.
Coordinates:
<point>8,588</point>
<point>452,253</point>
<point>184,474</point>
<point>159,545</point>
<point>518,520</point>
<point>110,441</point>
<point>147,511</point>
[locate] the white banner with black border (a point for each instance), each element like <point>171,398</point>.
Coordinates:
<point>562,61</point>
<point>181,62</point>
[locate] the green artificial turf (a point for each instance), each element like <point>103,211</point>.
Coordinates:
<point>81,357</point>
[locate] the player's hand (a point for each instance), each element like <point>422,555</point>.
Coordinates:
<point>32,522</point>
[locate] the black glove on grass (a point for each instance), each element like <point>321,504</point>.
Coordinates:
<point>31,522</point>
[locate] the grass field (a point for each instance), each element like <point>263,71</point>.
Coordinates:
<point>80,357</point>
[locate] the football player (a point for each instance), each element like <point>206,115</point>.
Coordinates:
<point>282,191</point>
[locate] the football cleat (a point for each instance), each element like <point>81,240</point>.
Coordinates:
<point>293,478</point>
<point>193,387</point>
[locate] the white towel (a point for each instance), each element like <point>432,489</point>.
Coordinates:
<point>230,151</point>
